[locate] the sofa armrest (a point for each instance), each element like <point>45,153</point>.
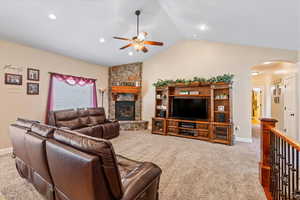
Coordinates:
<point>143,184</point>
<point>110,130</point>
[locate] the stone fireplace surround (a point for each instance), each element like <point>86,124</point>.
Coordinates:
<point>126,73</point>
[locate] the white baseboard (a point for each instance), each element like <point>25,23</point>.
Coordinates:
<point>247,140</point>
<point>5,151</point>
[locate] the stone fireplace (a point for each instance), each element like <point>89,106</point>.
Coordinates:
<point>125,101</point>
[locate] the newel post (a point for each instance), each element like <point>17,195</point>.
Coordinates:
<point>264,165</point>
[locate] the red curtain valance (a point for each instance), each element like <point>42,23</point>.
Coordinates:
<point>73,80</point>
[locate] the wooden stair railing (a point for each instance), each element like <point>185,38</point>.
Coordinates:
<point>279,164</point>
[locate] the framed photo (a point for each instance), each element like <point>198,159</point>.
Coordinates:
<point>33,74</point>
<point>13,79</point>
<point>33,89</point>
<point>221,108</point>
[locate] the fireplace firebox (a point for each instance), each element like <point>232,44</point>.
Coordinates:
<point>125,110</point>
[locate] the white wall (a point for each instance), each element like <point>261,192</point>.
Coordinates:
<point>192,58</point>
<point>298,83</point>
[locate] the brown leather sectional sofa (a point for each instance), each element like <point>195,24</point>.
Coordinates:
<point>67,165</point>
<point>90,121</point>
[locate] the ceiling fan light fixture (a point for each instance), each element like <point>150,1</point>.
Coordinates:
<point>142,36</point>
<point>138,42</point>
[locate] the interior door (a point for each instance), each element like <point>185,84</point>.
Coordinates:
<point>290,107</point>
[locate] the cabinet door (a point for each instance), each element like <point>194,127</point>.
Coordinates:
<point>158,126</point>
<point>222,133</point>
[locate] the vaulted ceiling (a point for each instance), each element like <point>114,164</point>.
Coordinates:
<point>80,24</point>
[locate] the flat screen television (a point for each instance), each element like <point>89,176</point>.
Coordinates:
<point>190,109</point>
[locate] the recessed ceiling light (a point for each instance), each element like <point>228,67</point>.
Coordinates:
<point>101,40</point>
<point>203,27</point>
<point>280,72</point>
<point>130,53</point>
<point>268,62</point>
<point>52,16</point>
<point>254,73</point>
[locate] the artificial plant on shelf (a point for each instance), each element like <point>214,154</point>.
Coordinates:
<point>198,81</point>
<point>225,78</point>
<point>180,82</point>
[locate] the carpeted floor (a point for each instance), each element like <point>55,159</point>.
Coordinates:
<point>192,169</point>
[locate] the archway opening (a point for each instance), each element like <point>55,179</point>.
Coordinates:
<point>275,94</point>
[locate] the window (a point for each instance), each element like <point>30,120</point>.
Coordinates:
<point>67,92</point>
<point>66,96</point>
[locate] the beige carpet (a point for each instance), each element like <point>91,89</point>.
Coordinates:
<point>192,169</point>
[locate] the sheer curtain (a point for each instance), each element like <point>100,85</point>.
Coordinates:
<point>66,92</point>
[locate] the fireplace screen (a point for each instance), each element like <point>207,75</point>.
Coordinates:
<point>125,110</point>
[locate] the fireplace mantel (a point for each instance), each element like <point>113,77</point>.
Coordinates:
<point>117,90</point>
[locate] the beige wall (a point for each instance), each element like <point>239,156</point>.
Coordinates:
<point>14,101</point>
<point>202,58</point>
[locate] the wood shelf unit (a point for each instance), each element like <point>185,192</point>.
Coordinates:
<point>218,127</point>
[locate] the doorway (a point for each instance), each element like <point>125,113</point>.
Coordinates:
<point>290,107</point>
<point>256,105</point>
<point>275,95</point>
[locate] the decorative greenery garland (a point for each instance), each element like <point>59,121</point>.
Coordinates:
<point>226,78</point>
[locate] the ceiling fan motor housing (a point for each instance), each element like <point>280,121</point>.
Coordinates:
<point>137,12</point>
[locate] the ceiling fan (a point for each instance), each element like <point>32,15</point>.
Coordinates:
<point>139,41</point>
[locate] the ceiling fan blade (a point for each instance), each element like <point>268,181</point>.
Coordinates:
<point>120,38</point>
<point>154,43</point>
<point>144,49</point>
<point>128,45</point>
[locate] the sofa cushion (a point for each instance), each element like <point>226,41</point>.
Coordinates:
<point>72,124</point>
<point>68,118</point>
<point>63,115</point>
<point>102,148</point>
<point>97,115</point>
<point>84,116</point>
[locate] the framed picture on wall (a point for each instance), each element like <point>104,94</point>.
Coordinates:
<point>13,79</point>
<point>33,89</point>
<point>33,74</point>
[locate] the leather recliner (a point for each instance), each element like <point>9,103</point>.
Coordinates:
<point>90,121</point>
<point>29,144</point>
<point>67,165</point>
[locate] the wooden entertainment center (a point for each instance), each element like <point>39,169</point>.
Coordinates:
<point>217,127</point>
